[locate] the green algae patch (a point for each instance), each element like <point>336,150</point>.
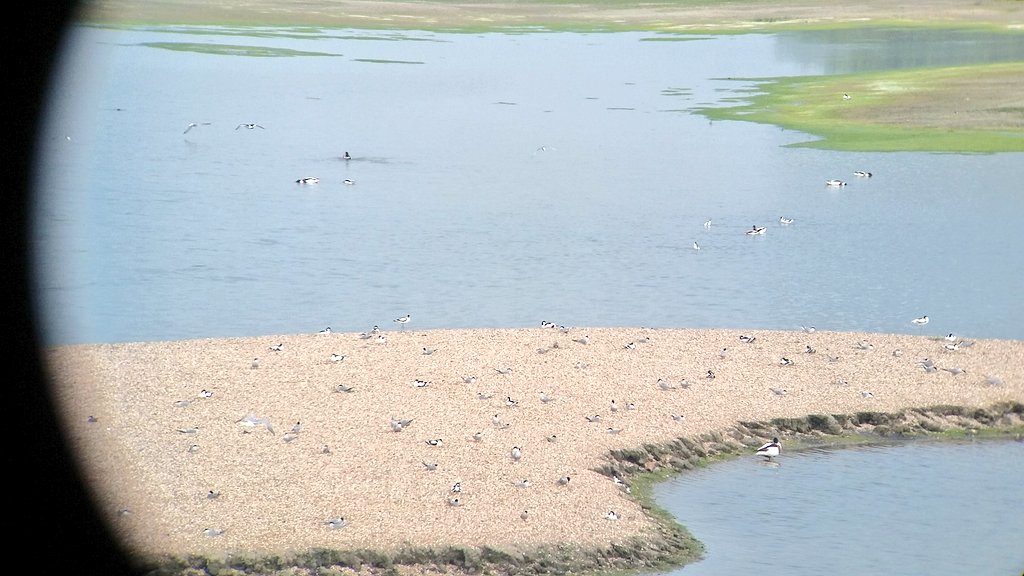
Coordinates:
<point>232,49</point>
<point>963,109</point>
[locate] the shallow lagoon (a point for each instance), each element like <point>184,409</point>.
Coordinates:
<point>501,180</point>
<point>917,508</point>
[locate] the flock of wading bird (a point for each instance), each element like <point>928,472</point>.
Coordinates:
<point>769,450</point>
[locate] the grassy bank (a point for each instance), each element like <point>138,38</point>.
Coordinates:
<point>957,109</point>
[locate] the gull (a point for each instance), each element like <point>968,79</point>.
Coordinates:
<point>707,223</point>
<point>478,437</point>
<point>338,357</point>
<point>722,353</point>
<point>920,321</point>
<point>503,371</point>
<point>510,402</point>
<point>343,388</point>
<point>770,449</point>
<point>545,398</point>
<point>779,391</point>
<point>277,347</point>
<point>696,246</point>
<point>582,339</point>
<point>564,480</point>
<point>631,406</point>
<point>255,363</point>
<point>862,174</point>
<point>182,403</point>
<point>381,339</point>
<point>249,126</point>
<point>926,363</point>
<point>289,436</point>
<point>552,438</point>
<point>297,427</point>
<point>484,395</point>
<point>191,430</point>
<point>678,417</point>
<point>546,324</point>
<point>212,495</point>
<point>832,359</point>
<point>784,220</point>
<point>418,383</point>
<point>866,394</point>
<point>498,423</point>
<point>431,466</point>
<point>747,339</point>
<point>685,383</point>
<point>364,336</point>
<point>428,351</point>
<point>457,487</point>
<point>193,448</point>
<point>213,532</point>
<point>865,345</point>
<point>594,418</point>
<point>614,407</point>
<point>611,430</point>
<point>434,442</point>
<point>524,483</point>
<point>955,371</point>
<point>755,230</point>
<point>630,346</point>
<point>834,183</point>
<point>841,382</point>
<point>308,180</point>
<point>335,523</point>
<point>192,125</point>
<point>347,156</point>
<point>325,330</point>
<point>611,515</point>
<point>930,369</point>
<point>375,330</point>
<point>664,385</point>
<point>398,425</point>
<point>809,350</point>
<point>785,361</point>
<point>516,453</point>
<point>808,329</point>
<point>953,347</point>
<point>403,320</point>
<point>950,337</point>
<point>251,421</point>
<point>469,379</point>
<point>204,393</point>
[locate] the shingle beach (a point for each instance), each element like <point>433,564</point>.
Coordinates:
<point>154,444</point>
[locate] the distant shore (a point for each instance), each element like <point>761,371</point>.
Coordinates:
<point>154,447</point>
<point>763,16</point>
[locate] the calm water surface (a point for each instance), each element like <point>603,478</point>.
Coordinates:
<point>501,180</point>
<point>920,508</point>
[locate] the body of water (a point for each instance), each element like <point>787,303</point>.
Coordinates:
<point>499,180</point>
<point>921,508</point>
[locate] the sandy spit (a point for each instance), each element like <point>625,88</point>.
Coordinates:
<point>129,410</point>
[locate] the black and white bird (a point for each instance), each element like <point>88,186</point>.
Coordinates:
<point>770,449</point>
<point>308,180</point>
<point>335,523</point>
<point>249,126</point>
<point>403,320</point>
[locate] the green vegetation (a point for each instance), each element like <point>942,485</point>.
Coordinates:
<point>956,109</point>
<point>232,49</point>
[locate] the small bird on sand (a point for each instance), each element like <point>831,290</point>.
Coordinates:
<point>204,393</point>
<point>484,395</point>
<point>614,407</point>
<point>525,514</point>
<point>277,347</point>
<point>398,424</point>
<point>469,379</point>
<point>428,351</point>
<point>611,515</point>
<point>325,331</point>
<point>545,398</point>
<point>770,449</point>
<point>343,388</point>
<point>582,340</point>
<point>524,483</point>
<point>255,363</point>
<point>785,361</point>
<point>563,481</point>
<point>779,391</point>
<point>182,403</point>
<point>214,532</point>
<point>612,430</point>
<point>454,502</point>
<point>430,466</point>
<point>191,430</point>
<point>517,453</point>
<point>418,383</point>
<point>594,418</point>
<point>297,427</point>
<point>335,523</point>
<point>477,436</point>
<point>747,339</point>
<point>678,417</point>
<point>212,495</point>
<point>338,357</point>
<point>552,438</point>
<point>503,371</point>
<point>457,487</point>
<point>510,402</point>
<point>630,346</point>
<point>434,442</point>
